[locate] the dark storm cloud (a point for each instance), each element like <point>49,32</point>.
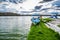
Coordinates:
<point>45,1</point>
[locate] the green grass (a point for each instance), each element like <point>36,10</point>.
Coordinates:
<point>58,25</point>
<point>47,20</point>
<point>41,32</point>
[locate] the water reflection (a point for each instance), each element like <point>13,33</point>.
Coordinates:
<point>14,28</point>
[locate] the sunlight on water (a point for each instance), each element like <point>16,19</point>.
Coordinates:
<point>14,28</point>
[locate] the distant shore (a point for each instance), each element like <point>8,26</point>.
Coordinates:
<point>15,14</point>
<point>9,14</point>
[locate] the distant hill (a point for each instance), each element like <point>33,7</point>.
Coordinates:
<point>8,14</point>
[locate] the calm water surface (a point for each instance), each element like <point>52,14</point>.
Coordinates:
<point>14,27</point>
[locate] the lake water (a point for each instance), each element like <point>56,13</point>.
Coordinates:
<point>14,27</point>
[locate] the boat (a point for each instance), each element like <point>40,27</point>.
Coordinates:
<point>35,19</point>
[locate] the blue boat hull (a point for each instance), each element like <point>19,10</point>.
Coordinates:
<point>35,20</point>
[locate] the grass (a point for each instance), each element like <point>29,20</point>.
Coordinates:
<point>41,32</point>
<point>58,25</point>
<point>47,20</point>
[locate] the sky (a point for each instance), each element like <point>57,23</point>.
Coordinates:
<point>27,5</point>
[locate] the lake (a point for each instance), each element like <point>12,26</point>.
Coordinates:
<point>14,27</point>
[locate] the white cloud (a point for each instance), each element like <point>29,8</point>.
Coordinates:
<point>27,5</point>
<point>30,4</point>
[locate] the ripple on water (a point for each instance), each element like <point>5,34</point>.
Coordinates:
<point>14,28</point>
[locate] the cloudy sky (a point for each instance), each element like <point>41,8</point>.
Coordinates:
<point>27,5</point>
